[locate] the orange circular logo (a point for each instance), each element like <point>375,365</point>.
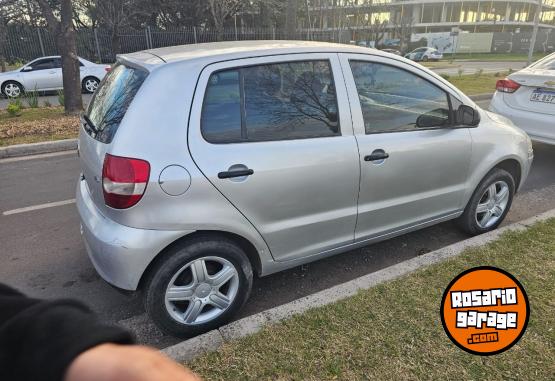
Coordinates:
<point>485,310</point>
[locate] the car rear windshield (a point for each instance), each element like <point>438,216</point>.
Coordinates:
<point>546,64</point>
<point>111,100</point>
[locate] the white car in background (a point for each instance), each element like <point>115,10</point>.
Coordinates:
<point>45,74</point>
<point>527,98</point>
<point>424,54</point>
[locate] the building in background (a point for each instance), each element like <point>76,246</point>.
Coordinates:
<point>382,21</point>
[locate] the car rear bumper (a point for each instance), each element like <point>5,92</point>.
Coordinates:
<point>119,253</point>
<point>531,122</point>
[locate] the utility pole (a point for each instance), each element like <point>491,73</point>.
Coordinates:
<point>534,32</point>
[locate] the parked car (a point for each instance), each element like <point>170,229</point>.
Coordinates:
<point>45,74</point>
<point>204,165</point>
<point>392,51</point>
<point>424,54</point>
<point>527,97</point>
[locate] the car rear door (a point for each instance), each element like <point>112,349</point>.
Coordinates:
<point>274,136</point>
<point>413,164</point>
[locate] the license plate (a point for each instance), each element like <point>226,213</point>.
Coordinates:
<point>543,96</point>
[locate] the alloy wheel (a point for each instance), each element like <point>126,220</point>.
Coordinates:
<point>202,290</point>
<point>12,90</point>
<point>91,85</point>
<point>492,204</point>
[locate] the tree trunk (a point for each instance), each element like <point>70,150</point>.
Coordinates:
<point>116,43</point>
<point>291,19</point>
<point>219,25</point>
<point>67,46</point>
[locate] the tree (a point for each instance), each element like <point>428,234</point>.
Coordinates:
<point>220,11</point>
<point>64,34</point>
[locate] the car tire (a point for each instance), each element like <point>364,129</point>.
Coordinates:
<point>90,84</point>
<point>173,311</point>
<point>488,206</point>
<point>425,59</point>
<point>12,89</point>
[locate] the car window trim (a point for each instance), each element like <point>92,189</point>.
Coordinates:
<point>450,125</point>
<point>239,68</point>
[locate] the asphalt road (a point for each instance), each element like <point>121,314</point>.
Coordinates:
<point>41,252</point>
<point>471,67</point>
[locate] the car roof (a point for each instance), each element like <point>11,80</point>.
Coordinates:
<point>215,51</point>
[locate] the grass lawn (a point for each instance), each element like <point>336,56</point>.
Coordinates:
<point>393,331</point>
<point>37,125</point>
<point>493,56</point>
<point>472,84</point>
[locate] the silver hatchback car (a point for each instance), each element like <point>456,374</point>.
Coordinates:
<point>204,165</point>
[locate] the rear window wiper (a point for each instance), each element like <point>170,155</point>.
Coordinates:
<point>90,124</point>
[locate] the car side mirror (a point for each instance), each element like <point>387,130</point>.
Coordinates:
<point>467,116</point>
<point>27,68</point>
<point>434,118</point>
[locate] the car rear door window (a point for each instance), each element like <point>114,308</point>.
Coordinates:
<point>111,100</point>
<point>393,99</point>
<point>290,100</point>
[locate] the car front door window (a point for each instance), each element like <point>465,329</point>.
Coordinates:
<point>393,99</point>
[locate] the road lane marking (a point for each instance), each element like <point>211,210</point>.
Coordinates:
<point>37,207</point>
<point>39,156</point>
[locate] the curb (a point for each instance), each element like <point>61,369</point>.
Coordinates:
<point>38,148</point>
<point>213,340</point>
<point>481,97</point>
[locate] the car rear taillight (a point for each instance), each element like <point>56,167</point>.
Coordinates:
<point>108,68</point>
<point>124,180</point>
<point>506,85</point>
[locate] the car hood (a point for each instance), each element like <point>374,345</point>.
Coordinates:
<point>11,72</point>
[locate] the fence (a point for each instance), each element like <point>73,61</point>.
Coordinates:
<point>23,43</point>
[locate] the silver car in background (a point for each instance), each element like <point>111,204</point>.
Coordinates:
<point>45,74</point>
<point>204,165</point>
<point>527,97</point>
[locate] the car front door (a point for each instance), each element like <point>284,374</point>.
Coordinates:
<point>41,76</point>
<point>414,164</point>
<point>274,136</point>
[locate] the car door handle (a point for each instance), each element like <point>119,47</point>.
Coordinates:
<point>235,173</point>
<point>376,155</point>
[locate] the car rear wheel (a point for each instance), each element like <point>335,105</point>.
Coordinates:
<point>198,286</point>
<point>489,204</point>
<point>90,84</point>
<point>12,89</point>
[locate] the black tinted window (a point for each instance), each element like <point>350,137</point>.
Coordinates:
<point>111,100</point>
<point>393,99</point>
<point>221,111</point>
<point>43,64</point>
<point>293,100</point>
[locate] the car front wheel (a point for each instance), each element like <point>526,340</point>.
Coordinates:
<point>489,204</point>
<point>12,89</point>
<point>198,286</point>
<point>90,84</point>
